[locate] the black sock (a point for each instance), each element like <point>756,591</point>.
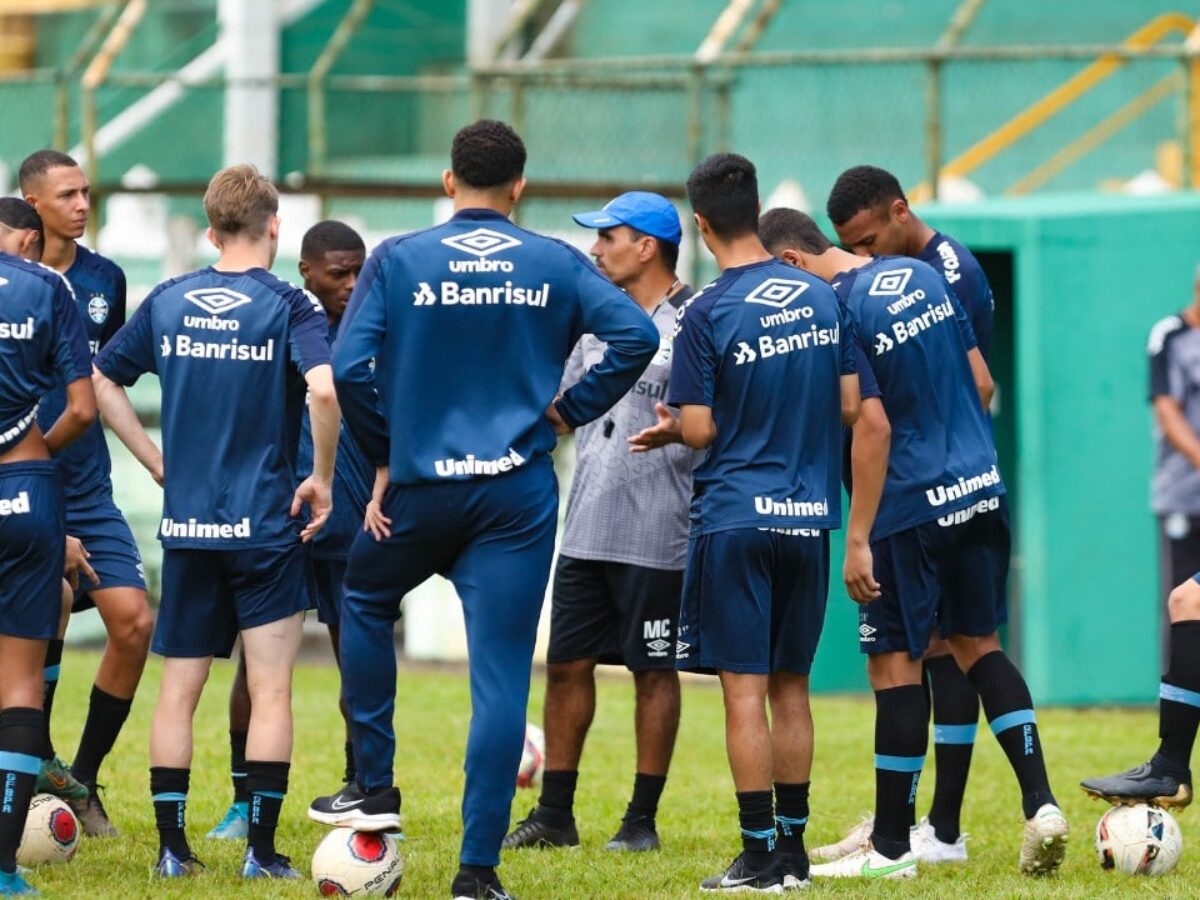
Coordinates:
<point>482,874</point>
<point>955,720</point>
<point>757,818</point>
<point>1009,710</point>
<point>791,817</point>
<point>54,652</point>
<point>901,739</point>
<point>1179,699</point>
<point>169,789</point>
<point>646,791</point>
<point>557,802</point>
<point>21,740</point>
<point>106,715</point>
<point>237,765</point>
<point>351,770</point>
<point>267,784</point>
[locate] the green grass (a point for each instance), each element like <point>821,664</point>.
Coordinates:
<point>697,820</point>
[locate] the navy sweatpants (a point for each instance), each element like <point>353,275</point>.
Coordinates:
<point>494,539</point>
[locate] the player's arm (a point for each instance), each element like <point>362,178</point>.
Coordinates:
<point>1167,392</point>
<point>122,420</point>
<point>359,343</point>
<point>691,387</point>
<point>1176,428</point>
<point>851,399</point>
<point>72,360</point>
<point>632,340</point>
<point>696,426</point>
<point>869,448</point>
<point>374,521</point>
<point>979,368</point>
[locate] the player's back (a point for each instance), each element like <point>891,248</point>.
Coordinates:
<point>766,351</point>
<point>916,337</point>
<point>41,342</point>
<point>475,320</point>
<point>227,348</point>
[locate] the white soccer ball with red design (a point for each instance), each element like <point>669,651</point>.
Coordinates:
<point>1138,840</point>
<point>51,832</point>
<point>357,864</point>
<point>533,758</point>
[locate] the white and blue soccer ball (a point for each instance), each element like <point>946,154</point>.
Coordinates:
<point>357,864</point>
<point>1138,840</point>
<point>51,833</point>
<point>533,758</point>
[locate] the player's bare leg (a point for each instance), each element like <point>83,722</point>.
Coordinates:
<point>792,752</point>
<point>54,775</point>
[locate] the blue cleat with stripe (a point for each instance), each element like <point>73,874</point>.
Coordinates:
<point>13,884</point>
<point>171,866</point>
<point>280,868</point>
<point>236,824</point>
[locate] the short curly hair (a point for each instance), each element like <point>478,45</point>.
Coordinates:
<point>724,189</point>
<point>487,154</point>
<point>859,188</point>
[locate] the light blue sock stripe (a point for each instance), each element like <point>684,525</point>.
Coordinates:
<point>954,734</point>
<point>899,763</point>
<point>764,835</point>
<point>788,820</point>
<point>169,798</point>
<point>1178,695</point>
<point>1012,720</point>
<point>19,762</point>
<point>275,795</point>
<point>50,673</point>
<point>238,774</point>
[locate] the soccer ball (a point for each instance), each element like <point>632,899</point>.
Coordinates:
<point>357,864</point>
<point>1138,840</point>
<point>51,832</point>
<point>533,758</point>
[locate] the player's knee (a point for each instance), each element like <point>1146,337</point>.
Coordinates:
<point>569,674</point>
<point>656,683</point>
<point>1184,602</point>
<point>132,635</point>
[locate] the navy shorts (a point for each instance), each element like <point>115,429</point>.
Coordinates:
<point>329,587</point>
<point>753,601</point>
<point>950,576</point>
<point>208,596</point>
<point>616,613</point>
<point>112,551</point>
<point>32,549</point>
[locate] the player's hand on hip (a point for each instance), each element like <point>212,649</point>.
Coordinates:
<point>859,572</point>
<point>374,521</point>
<point>666,431</point>
<point>556,419</point>
<point>77,564</point>
<point>319,497</point>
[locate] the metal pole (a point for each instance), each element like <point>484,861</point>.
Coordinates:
<point>317,133</point>
<point>62,110</point>
<point>92,165</point>
<point>933,125</point>
<point>518,124</point>
<point>695,149</point>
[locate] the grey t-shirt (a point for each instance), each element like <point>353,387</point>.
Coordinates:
<point>1174,350</point>
<point>629,507</point>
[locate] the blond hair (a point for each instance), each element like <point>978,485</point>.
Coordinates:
<point>240,201</point>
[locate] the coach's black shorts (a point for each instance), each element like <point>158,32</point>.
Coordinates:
<point>950,576</point>
<point>614,612</point>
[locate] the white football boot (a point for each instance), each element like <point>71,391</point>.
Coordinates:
<point>1045,842</point>
<point>856,838</point>
<point>928,849</point>
<point>867,862</point>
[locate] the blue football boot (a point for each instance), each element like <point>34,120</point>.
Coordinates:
<point>281,868</point>
<point>236,824</point>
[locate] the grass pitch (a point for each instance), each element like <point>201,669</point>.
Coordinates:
<point>697,819</point>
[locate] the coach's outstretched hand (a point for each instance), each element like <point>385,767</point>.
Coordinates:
<point>319,497</point>
<point>665,432</point>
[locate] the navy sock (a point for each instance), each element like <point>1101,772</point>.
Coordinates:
<point>557,802</point>
<point>791,817</point>
<point>955,720</point>
<point>757,818</point>
<point>54,653</point>
<point>237,765</point>
<point>105,718</point>
<point>1179,698</point>
<point>169,790</point>
<point>647,789</point>
<point>267,784</point>
<point>901,739</point>
<point>21,740</point>
<point>1009,710</point>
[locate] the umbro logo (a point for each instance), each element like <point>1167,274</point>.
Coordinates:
<point>890,283</point>
<point>777,292</point>
<point>217,301</point>
<point>658,647</point>
<point>866,632</point>
<point>481,242</point>
<point>745,354</point>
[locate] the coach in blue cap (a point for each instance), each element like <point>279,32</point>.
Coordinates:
<point>619,573</point>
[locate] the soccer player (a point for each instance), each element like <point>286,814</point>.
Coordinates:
<point>56,187</point>
<point>233,347</point>
<point>871,215</point>
<point>447,367</point>
<point>42,343</point>
<point>1166,780</point>
<point>331,256</point>
<point>763,375</point>
<point>928,539</point>
<point>619,573</point>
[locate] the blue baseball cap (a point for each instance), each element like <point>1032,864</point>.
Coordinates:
<point>651,214</point>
